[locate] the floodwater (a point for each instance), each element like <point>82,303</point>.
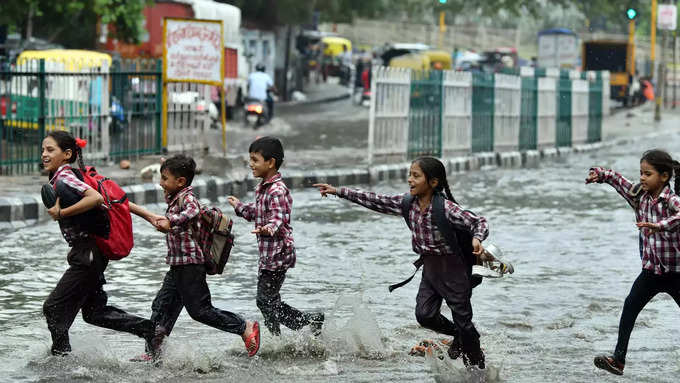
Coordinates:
<point>574,248</point>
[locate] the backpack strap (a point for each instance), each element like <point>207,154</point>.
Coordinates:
<point>405,208</point>
<point>443,224</point>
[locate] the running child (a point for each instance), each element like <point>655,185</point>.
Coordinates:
<point>81,286</point>
<point>185,284</point>
<point>657,212</point>
<point>271,213</point>
<point>447,272</point>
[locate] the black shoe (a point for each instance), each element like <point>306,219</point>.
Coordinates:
<point>455,349</point>
<point>609,364</point>
<point>475,359</point>
<point>154,342</point>
<point>316,323</point>
<point>61,352</point>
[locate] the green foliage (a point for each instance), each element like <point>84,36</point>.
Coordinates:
<point>73,22</point>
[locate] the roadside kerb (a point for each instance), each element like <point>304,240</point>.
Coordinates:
<point>28,210</point>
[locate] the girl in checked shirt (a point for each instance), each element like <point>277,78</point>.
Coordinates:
<point>445,275</point>
<point>81,288</point>
<point>657,212</point>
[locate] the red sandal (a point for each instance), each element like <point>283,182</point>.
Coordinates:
<point>253,340</point>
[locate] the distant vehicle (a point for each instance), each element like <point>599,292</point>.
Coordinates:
<point>423,61</point>
<point>494,61</point>
<point>256,113</point>
<point>618,57</point>
<point>557,48</point>
<point>235,65</point>
<point>399,49</point>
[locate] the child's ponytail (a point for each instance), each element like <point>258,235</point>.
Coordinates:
<point>447,191</point>
<point>80,144</point>
<point>676,176</point>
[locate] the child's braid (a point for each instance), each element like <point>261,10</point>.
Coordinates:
<point>676,176</point>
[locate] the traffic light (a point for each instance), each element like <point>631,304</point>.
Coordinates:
<point>631,13</point>
<point>442,1</point>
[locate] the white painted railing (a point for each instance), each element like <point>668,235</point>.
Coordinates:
<point>388,123</point>
<point>579,111</point>
<point>547,112</point>
<point>507,109</point>
<point>457,121</point>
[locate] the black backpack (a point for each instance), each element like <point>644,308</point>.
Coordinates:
<point>458,238</point>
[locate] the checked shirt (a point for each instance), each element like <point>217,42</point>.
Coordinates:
<point>182,249</point>
<point>426,238</point>
<point>272,209</point>
<point>661,250</point>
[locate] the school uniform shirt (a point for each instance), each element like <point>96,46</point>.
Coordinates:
<point>182,249</point>
<point>426,239</point>
<point>71,231</point>
<point>661,250</point>
<point>271,209</point>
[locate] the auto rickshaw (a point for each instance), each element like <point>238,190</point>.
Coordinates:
<point>423,61</point>
<point>332,49</point>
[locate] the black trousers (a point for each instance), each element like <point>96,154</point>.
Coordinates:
<point>645,287</point>
<point>274,310</point>
<point>81,288</point>
<point>185,287</point>
<point>447,278</point>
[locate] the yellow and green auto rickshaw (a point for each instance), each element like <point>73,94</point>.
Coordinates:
<point>423,61</point>
<point>66,95</point>
<point>333,47</point>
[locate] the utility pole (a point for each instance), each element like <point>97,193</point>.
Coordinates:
<point>442,28</point>
<point>442,25</point>
<point>657,108</point>
<point>675,69</point>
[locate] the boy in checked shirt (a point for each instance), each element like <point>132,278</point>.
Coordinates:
<point>271,212</point>
<point>184,284</point>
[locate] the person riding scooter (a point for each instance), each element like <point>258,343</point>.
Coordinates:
<point>259,86</point>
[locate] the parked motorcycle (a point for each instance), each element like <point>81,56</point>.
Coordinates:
<point>255,113</point>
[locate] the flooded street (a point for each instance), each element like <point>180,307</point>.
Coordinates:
<point>574,248</point>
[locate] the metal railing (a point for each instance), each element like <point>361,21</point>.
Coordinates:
<point>117,108</point>
<point>457,113</point>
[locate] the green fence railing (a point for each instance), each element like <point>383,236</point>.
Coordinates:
<point>482,112</point>
<point>595,110</point>
<point>117,109</point>
<point>425,114</point>
<point>563,123</point>
<point>528,119</point>
<point>136,127</point>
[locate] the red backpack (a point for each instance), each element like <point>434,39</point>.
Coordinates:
<point>119,242</point>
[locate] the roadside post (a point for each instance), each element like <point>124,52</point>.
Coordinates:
<point>193,52</point>
<point>667,21</point>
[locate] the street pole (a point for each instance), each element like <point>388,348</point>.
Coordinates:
<point>442,29</point>
<point>675,69</point>
<point>657,108</point>
<point>664,63</point>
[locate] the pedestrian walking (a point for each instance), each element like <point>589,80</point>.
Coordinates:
<point>447,272</point>
<point>657,212</point>
<point>271,213</point>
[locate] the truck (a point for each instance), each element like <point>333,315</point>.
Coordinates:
<point>617,57</point>
<point>557,48</point>
<point>235,65</point>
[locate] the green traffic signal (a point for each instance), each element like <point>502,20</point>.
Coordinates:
<point>631,13</point>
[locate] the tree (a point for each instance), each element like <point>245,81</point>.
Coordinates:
<point>73,23</point>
